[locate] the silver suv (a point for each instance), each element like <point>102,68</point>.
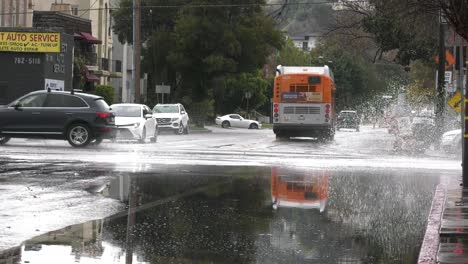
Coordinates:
<point>172,117</point>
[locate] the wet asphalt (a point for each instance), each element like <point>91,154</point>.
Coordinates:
<point>230,196</point>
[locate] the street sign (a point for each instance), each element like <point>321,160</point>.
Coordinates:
<point>455,102</point>
<point>57,85</point>
<point>163,89</point>
<point>30,42</point>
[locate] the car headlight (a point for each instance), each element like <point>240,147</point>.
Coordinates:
<point>174,119</point>
<point>136,125</point>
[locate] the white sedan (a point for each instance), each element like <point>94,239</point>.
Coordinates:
<point>235,120</point>
<point>135,121</point>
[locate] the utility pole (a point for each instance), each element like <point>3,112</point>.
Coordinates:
<point>464,113</point>
<point>136,48</point>
<point>440,99</point>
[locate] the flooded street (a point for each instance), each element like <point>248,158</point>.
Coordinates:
<point>302,202</point>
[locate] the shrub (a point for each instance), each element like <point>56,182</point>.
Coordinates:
<point>107,92</point>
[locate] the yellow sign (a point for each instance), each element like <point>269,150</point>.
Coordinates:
<point>313,96</point>
<point>455,102</point>
<point>29,42</point>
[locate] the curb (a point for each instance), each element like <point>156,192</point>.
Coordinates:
<point>200,131</point>
<point>430,245</point>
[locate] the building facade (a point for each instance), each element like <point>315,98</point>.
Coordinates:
<point>97,11</point>
<point>34,59</point>
<point>15,13</point>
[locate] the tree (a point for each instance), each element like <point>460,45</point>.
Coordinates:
<point>420,91</point>
<point>290,55</point>
<point>198,45</point>
<point>394,25</point>
<point>358,79</point>
<point>239,88</point>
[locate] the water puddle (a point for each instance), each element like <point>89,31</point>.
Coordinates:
<point>249,215</point>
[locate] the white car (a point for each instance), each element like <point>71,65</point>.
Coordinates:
<point>172,117</point>
<point>135,121</point>
<point>451,141</point>
<point>235,120</point>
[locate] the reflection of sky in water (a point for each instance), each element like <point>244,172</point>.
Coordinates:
<point>371,216</point>
<point>59,254</point>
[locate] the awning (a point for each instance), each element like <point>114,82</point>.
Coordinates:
<point>90,77</point>
<point>77,36</point>
<point>87,37</point>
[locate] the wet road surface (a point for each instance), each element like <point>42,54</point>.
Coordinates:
<point>215,214</point>
<point>232,196</point>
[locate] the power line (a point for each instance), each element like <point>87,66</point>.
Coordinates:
<point>89,9</point>
<point>197,6</point>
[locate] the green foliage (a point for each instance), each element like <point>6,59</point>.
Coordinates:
<point>237,90</point>
<point>290,55</point>
<point>201,111</point>
<point>357,80</point>
<point>403,26</point>
<point>421,92</point>
<point>195,49</point>
<point>107,92</point>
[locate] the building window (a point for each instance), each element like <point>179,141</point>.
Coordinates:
<point>305,45</point>
<point>74,10</point>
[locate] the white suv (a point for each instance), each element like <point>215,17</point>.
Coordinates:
<point>173,117</point>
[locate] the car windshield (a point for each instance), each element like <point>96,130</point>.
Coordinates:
<point>126,110</point>
<point>166,109</point>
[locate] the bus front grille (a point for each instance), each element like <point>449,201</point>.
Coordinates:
<point>302,110</point>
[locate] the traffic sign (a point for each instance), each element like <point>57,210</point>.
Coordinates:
<point>163,89</point>
<point>455,102</point>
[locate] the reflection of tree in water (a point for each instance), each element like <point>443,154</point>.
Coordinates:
<point>388,211</point>
<point>217,225</point>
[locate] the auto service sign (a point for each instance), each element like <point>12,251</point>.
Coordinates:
<point>30,42</point>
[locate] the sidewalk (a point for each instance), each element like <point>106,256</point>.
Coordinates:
<point>446,238</point>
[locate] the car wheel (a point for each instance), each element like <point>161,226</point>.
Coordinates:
<point>180,130</point>
<point>4,139</point>
<point>225,124</point>
<point>143,136</point>
<point>281,136</point>
<point>155,136</point>
<point>253,126</point>
<point>79,135</point>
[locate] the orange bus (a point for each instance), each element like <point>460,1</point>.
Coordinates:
<point>304,102</point>
<point>293,189</point>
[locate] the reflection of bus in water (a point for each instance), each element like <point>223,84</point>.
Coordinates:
<point>290,188</point>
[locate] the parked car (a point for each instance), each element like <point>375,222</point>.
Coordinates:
<point>452,141</point>
<point>347,119</point>
<point>235,120</point>
<point>77,117</point>
<point>135,121</point>
<point>172,117</point>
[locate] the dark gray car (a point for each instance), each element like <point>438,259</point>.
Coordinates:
<point>79,118</point>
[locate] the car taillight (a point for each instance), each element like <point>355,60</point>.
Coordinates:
<point>103,115</point>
